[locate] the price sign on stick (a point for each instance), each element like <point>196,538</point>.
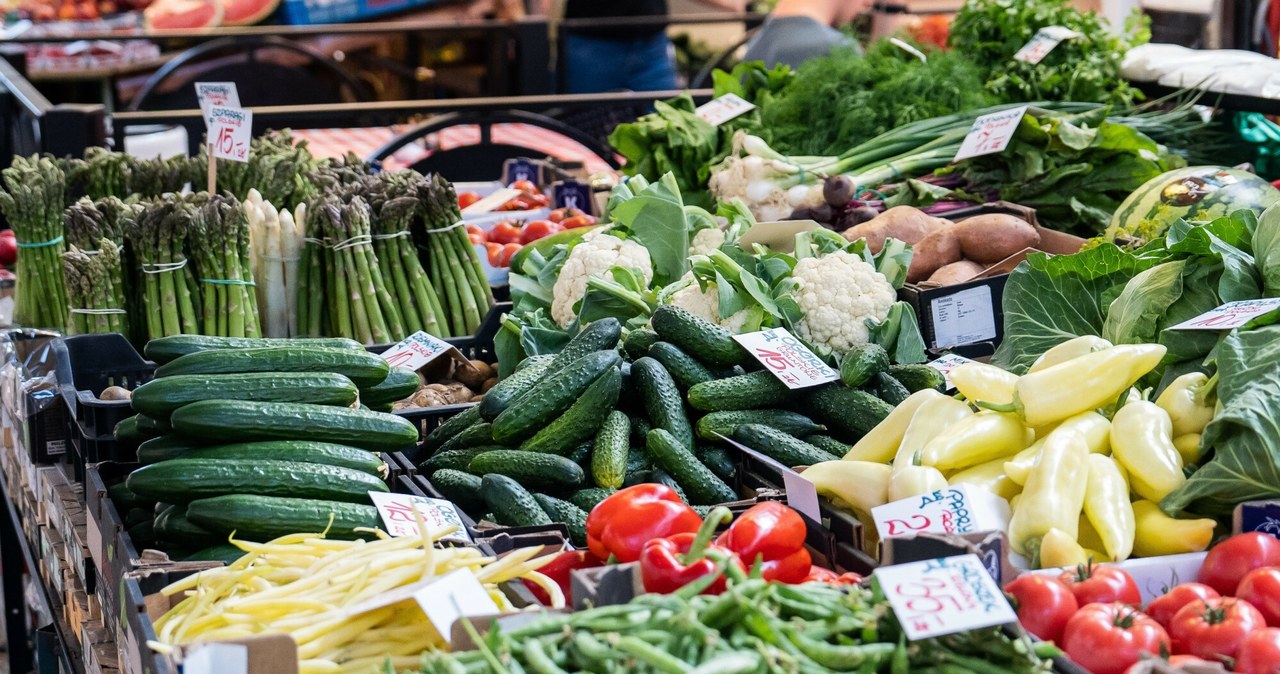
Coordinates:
<point>991,133</point>
<point>230,130</point>
<point>954,510</point>
<point>1044,42</point>
<point>216,95</point>
<point>1231,315</point>
<point>944,596</point>
<point>787,358</point>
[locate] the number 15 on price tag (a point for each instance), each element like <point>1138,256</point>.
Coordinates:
<point>944,596</point>
<point>230,130</point>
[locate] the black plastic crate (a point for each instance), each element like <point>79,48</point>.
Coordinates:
<point>88,364</point>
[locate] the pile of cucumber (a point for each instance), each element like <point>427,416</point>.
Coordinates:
<point>258,437</point>
<point>566,430</point>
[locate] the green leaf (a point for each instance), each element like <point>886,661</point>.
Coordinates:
<point>1266,250</point>
<point>899,334</point>
<point>655,217</point>
<point>1134,316</point>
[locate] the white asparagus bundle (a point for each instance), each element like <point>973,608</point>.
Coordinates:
<point>276,241</point>
<point>292,228</point>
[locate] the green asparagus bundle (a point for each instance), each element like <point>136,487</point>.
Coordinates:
<point>165,286</point>
<point>277,167</point>
<point>32,198</point>
<point>94,289</point>
<point>392,197</point>
<point>220,247</point>
<point>452,262</point>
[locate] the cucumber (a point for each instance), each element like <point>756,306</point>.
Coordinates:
<point>581,455</point>
<point>475,436</point>
<point>702,486</point>
<point>165,349</point>
<point>361,367</point>
<point>451,427</point>
<point>701,339</point>
<point>532,469</point>
<point>186,480</point>
<point>302,451</point>
<point>143,534</point>
<point>506,391</point>
<point>265,518</point>
<point>718,460</point>
<point>551,397</point>
<point>684,369</point>
<point>401,382</point>
<point>581,421</point>
<point>723,423</point>
<point>599,335</point>
<point>173,527</point>
<point>638,342</point>
<point>660,476</point>
<point>890,389</point>
<point>531,361</point>
<point>141,514</point>
<point>127,432</point>
<point>510,503</point>
<point>589,498</point>
<point>861,363</point>
<point>918,376</point>
<point>574,518</point>
<point>454,459</point>
<point>158,398</point>
<point>124,499</point>
<point>781,447</point>
<point>225,553</point>
<point>662,400</point>
<point>638,461</point>
<point>152,427</point>
<point>164,448</point>
<point>610,452</point>
<point>844,410</point>
<point>742,392</point>
<point>828,444</point>
<point>640,428</point>
<point>461,488</point>
<point>238,420</point>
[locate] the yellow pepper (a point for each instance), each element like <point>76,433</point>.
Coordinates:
<point>1058,549</point>
<point>1188,447</point>
<point>979,381</point>
<point>1189,400</point>
<point>989,476</point>
<point>909,481</point>
<point>976,439</point>
<point>1068,350</point>
<point>1082,384</point>
<point>1093,426</point>
<point>881,444</point>
<point>930,420</point>
<point>856,485</point>
<point>1054,494</point>
<point>1158,534</point>
<point>1106,504</point>
<point>1142,441</point>
<point>1091,541</point>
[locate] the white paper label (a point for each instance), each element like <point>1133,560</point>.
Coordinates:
<point>217,658</point>
<point>415,351</point>
<point>947,363</point>
<point>397,511</point>
<point>990,133</point>
<point>1043,42</point>
<point>802,494</point>
<point>230,130</point>
<point>216,95</point>
<point>1230,315</point>
<point>787,358</point>
<point>955,510</point>
<point>944,596</point>
<point>721,109</point>
<point>491,202</point>
<point>454,595</point>
<point>963,318</point>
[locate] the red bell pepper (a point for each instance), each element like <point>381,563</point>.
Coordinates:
<point>558,570</point>
<point>773,535</point>
<point>619,526</point>
<point>668,564</point>
<point>817,574</point>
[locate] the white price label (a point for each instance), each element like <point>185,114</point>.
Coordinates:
<point>230,130</point>
<point>1230,315</point>
<point>955,510</point>
<point>1044,42</point>
<point>721,109</point>
<point>491,202</point>
<point>216,95</point>
<point>397,511</point>
<point>415,351</point>
<point>944,596</point>
<point>216,658</point>
<point>947,363</point>
<point>802,494</point>
<point>787,358</point>
<point>454,595</point>
<point>991,133</point>
<point>964,317</point>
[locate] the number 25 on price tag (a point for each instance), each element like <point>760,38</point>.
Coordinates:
<point>230,130</point>
<point>944,596</point>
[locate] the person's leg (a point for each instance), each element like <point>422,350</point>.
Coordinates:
<point>651,64</point>
<point>593,65</point>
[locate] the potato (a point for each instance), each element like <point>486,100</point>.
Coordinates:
<point>116,393</point>
<point>488,384</point>
<point>992,237</point>
<point>935,251</point>
<point>473,373</point>
<point>956,272</point>
<point>904,223</point>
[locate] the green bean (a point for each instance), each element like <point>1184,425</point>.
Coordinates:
<point>539,661</point>
<point>840,657</point>
<point>899,663</point>
<point>804,610</point>
<point>547,624</point>
<point>661,660</point>
<point>591,648</point>
<point>739,662</point>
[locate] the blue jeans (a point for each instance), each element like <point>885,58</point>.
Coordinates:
<point>594,64</point>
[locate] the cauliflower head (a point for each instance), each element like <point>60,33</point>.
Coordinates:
<point>706,240</point>
<point>838,293</point>
<point>593,256</point>
<point>705,304</point>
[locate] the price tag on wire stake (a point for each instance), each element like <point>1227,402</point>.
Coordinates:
<point>991,133</point>
<point>1043,42</point>
<point>416,350</point>
<point>216,95</point>
<point>787,358</point>
<point>721,109</point>
<point>944,596</point>
<point>230,130</point>
<point>399,518</point>
<point>954,510</point>
<point>1231,315</point>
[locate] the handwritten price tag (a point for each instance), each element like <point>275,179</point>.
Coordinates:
<point>416,350</point>
<point>216,95</point>
<point>1230,315</point>
<point>1044,42</point>
<point>398,518</point>
<point>947,363</point>
<point>955,510</point>
<point>719,110</point>
<point>230,130</point>
<point>991,133</point>
<point>455,595</point>
<point>944,596</point>
<point>787,358</point>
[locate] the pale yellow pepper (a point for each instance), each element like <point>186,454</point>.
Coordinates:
<point>856,485</point>
<point>881,444</point>
<point>1158,534</point>
<point>1072,348</point>
<point>989,476</point>
<point>1142,441</point>
<point>980,381</point>
<point>1081,384</point>
<point>1093,426</point>
<point>1054,494</point>
<point>1106,505</point>
<point>908,481</point>
<point>976,439</point>
<point>1189,400</point>
<point>1188,447</point>
<point>1058,549</point>
<point>1091,541</point>
<point>930,421</point>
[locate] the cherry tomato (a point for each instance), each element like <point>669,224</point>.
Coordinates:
<point>1110,638</point>
<point>579,221</point>
<point>525,186</point>
<point>1174,661</point>
<point>1214,628</point>
<point>508,251</point>
<point>1044,603</point>
<point>467,198</point>
<point>538,229</point>
<point>1162,608</point>
<point>476,234</point>
<point>1261,587</point>
<point>505,232</point>
<point>561,214</point>
<point>1228,562</point>
<point>494,251</point>
<point>1260,652</point>
<point>1100,583</point>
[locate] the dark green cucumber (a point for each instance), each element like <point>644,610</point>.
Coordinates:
<point>828,444</point>
<point>158,398</point>
<point>455,459</point>
<point>718,460</point>
<point>164,448</point>
<point>574,518</point>
<point>783,448</point>
<point>844,410</point>
<point>532,469</point>
<point>599,335</point>
<point>917,377</point>
<point>589,498</point>
<point>662,400</point>
<point>302,451</point>
<point>185,480</point>
<point>127,432</point>
<point>451,427</point>
<point>531,361</point>
<point>702,485</point>
<point>152,427</point>
<point>638,342</point>
<point>723,423</point>
<point>225,553</point>
<point>748,391</point>
<point>506,391</point>
<point>581,455</point>
<point>551,397</point>
<point>142,514</point>
<point>238,420</point>
<point>890,389</point>
<point>265,518</point>
<point>685,369</point>
<point>638,461</point>
<point>165,349</point>
<point>510,503</point>
<point>401,382</point>
<point>361,367</point>
<point>475,436</point>
<point>459,487</point>
<point>701,339</point>
<point>581,421</point>
<point>143,534</point>
<point>609,455</point>
<point>660,476</point>
<point>124,499</point>
<point>640,428</point>
<point>861,363</point>
<point>173,527</point>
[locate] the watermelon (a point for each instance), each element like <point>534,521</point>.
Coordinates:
<point>1195,193</point>
<point>185,15</point>
<point>247,12</point>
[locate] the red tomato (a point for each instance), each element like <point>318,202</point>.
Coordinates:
<point>561,214</point>
<point>1100,583</point>
<point>508,251</point>
<point>579,221</point>
<point>504,232</point>
<point>8,248</point>
<point>1110,638</point>
<point>525,186</point>
<point>1228,562</point>
<point>476,234</point>
<point>538,229</point>
<point>1214,628</point>
<point>467,198</point>
<point>1261,587</point>
<point>495,253</point>
<point>1175,661</point>
<point>1045,604</point>
<point>1162,608</point>
<point>1260,652</point>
